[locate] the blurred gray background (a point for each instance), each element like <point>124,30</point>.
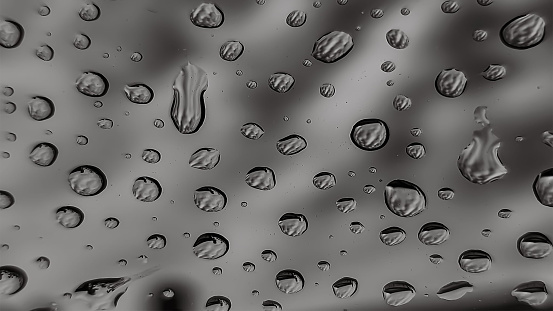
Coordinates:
<point>518,105</point>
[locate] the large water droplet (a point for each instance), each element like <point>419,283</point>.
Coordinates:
<point>12,280</point>
<point>415,150</point>
<point>231,50</point>
<point>345,287</point>
<point>451,83</point>
<point>210,199</point>
<point>11,34</point>
<point>188,108</point>
<point>454,290</point>
<point>289,281</point>
<point>205,158</point>
<point>433,233</point>
<point>533,293</point>
<point>41,108</point>
<point>523,32</point>
<point>398,293</point>
<point>543,187</point>
<point>207,15</point>
<point>281,82</point>
<point>332,46</point>
<point>44,154</point>
<point>81,41</point>
<point>156,241</point>
<point>210,246</point>
<point>534,245</point>
<point>87,180</point>
<point>271,305</point>
<point>92,84</point>
<point>397,39</point>
<point>475,261</point>
<point>69,216</point>
<point>261,178</point>
<point>404,198</point>
<point>324,180</point>
<point>293,224</point>
<point>139,93</point>
<point>146,189</point>
<point>296,18</point>
<point>6,199</point>
<point>494,72</point>
<point>45,52</point>
<point>291,144</point>
<point>370,134</point>
<point>268,255</point>
<point>392,236</point>
<point>89,12</point>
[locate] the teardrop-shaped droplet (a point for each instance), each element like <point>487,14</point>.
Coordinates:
<point>370,134</point>
<point>289,281</point>
<point>146,189</point>
<point>344,287</point>
<point>533,293</point>
<point>494,72</point>
<point>293,224</point>
<point>12,279</point>
<point>205,158</point>
<point>451,83</point>
<point>139,93</point>
<point>404,198</point>
<point>454,290</point>
<point>332,46</point>
<point>534,245</point>
<point>291,144</point>
<point>210,199</point>
<point>324,180</point>
<point>69,216</point>
<point>397,39</point>
<point>433,233</point>
<point>523,32</point>
<point>281,82</point>
<point>210,246</point>
<point>207,15</point>
<point>475,261</point>
<point>398,293</point>
<point>188,107</point>
<point>261,178</point>
<point>87,180</point>
<point>44,154</point>
<point>543,187</point>
<point>392,236</point>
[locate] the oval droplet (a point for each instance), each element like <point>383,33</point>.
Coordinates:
<point>82,140</point>
<point>217,270</point>
<point>397,39</point>
<point>87,180</point>
<point>41,108</point>
<point>44,154</point>
<point>344,287</point>
<point>323,265</point>
<point>346,205</point>
<point>533,293</point>
<point>231,50</point>
<point>13,280</point>
<point>296,18</point>
<point>324,180</point>
<point>291,145</point>
<point>398,293</point>
<point>446,193</point>
<point>451,83</point>
<point>405,11</point>
<point>251,84</point>
<point>454,290</point>
<point>436,259</point>
<point>105,123</point>
<point>136,57</point>
<point>289,281</point>
<point>543,187</point>
<point>268,255</point>
<point>248,266</point>
<point>415,150</point>
<point>69,216</point>
<point>388,66</point>
<point>332,46</point>
<point>89,12</point>
<point>433,233</point>
<point>146,189</point>
<point>252,131</point>
<point>205,158</point>
<point>402,102</point>
<point>45,52</point>
<point>188,107</point>
<point>210,246</point>
<point>479,35</point>
<point>404,198</point>
<point>207,15</point>
<point>534,245</point>
<point>293,224</point>
<point>327,90</point>
<point>281,82</point>
<point>475,261</point>
<point>356,227</point>
<point>450,7</point>
<point>392,236</point>
<point>151,156</point>
<point>111,222</point>
<point>484,2</point>
<point>210,199</point>
<point>261,178</point>
<point>11,34</point>
<point>156,241</point>
<point>139,93</point>
<point>377,13</point>
<point>92,84</point>
<point>494,72</point>
<point>504,213</point>
<point>523,32</point>
<point>370,134</point>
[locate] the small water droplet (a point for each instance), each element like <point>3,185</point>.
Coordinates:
<point>436,259</point>
<point>327,90</point>
<point>81,41</point>
<point>351,174</point>
<point>11,136</point>
<point>533,293</point>
<point>89,12</point>
<point>92,84</point>
<point>7,91</point>
<point>523,32</point>
<point>307,63</point>
<point>479,35</point>
<point>210,246</point>
<point>332,46</point>
<point>5,155</point>
<point>89,247</point>
<point>475,261</point>
<point>186,235</point>
<point>111,222</point>
<point>534,245</point>
<point>504,213</point>
<point>293,224</point>
<point>82,140</point>
<point>217,270</point>
<point>308,121</point>
<point>136,56</point>
<point>18,279</point>
<point>405,11</point>
<point>44,10</point>
<point>159,123</point>
<point>324,180</point>
<point>486,232</point>
<point>255,292</point>
<point>168,293</point>
<point>4,247</point>
<point>122,262</point>
<point>450,7</point>
<point>268,255</point>
<point>543,187</point>
<point>377,13</point>
<point>105,55</point>
<point>244,204</point>
<point>239,72</point>
<point>248,267</point>
<point>368,189</point>
<point>251,84</point>
<point>343,253</point>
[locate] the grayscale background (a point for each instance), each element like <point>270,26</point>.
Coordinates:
<point>518,105</point>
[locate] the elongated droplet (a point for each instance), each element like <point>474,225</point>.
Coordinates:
<point>293,224</point>
<point>210,199</point>
<point>346,205</point>
<point>494,72</point>
<point>271,305</point>
<point>475,261</point>
<point>450,7</point>
<point>533,293</point>
<point>324,180</point>
<point>534,245</point>
<point>252,131</point>
<point>210,246</point>
<point>433,233</point>
<point>398,293</point>
<point>404,198</point>
<point>261,178</point>
<point>523,32</point>
<point>547,138</point>
<point>291,145</point>
<point>332,46</point>
<point>446,194</point>
<point>289,281</point>
<point>454,290</point>
<point>345,287</point>
<point>205,158</point>
<point>188,108</point>
<point>392,236</point>
<point>543,187</point>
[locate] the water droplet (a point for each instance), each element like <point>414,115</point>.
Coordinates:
<point>268,255</point>
<point>291,145</point>
<point>486,233</point>
<point>139,93</point>
<point>111,222</point>
<point>210,199</point>
<point>244,204</point>
<point>146,189</point>
<point>342,2</point>
<point>404,198</point>
<point>136,57</point>
<point>317,4</point>
<point>343,252</point>
<point>398,293</point>
<point>105,55</point>
<point>289,281</point>
<point>205,158</point>
<point>210,246</point>
<point>143,259</point>
<point>42,262</point>
<point>119,49</point>
<point>239,72</point>
<point>281,82</point>
<point>332,46</point>
<point>345,287</point>
<point>388,66</point>
<point>286,118</point>
<point>293,224</point>
<point>6,199</point>
<point>327,90</point>
<point>252,131</point>
<point>392,236</point>
<point>9,107</point>
<point>188,107</point>
<point>151,156</point>
<point>518,139</point>
<point>308,121</point>
<point>105,124</point>
<point>454,290</point>
<point>156,241</point>
<point>14,279</point>
<point>324,180</point>
<point>346,205</point>
<point>534,245</point>
<point>7,91</point>
<point>122,262</point>
<point>523,32</point>
<point>405,11</point>
<point>218,303</point>
<point>41,108</point>
<point>416,150</point>
<point>44,10</point>
<point>451,83</point>
<point>504,213</point>
<point>390,82</point>
<point>248,267</point>
<point>307,63</point>
<point>89,247</point>
<point>260,2</point>
<point>351,174</point>
<point>261,178</point>
<point>475,261</point>
<point>377,13</point>
<point>207,15</point>
<point>323,265</point>
<point>368,189</point>
<point>44,154</point>
<point>401,102</point>
<point>217,270</point>
<point>92,84</point>
<point>4,247</point>
<point>251,84</point>
<point>159,123</point>
<point>69,216</point>
<point>81,41</point>
<point>255,292</point>
<point>82,140</point>
<point>533,293</point>
<point>186,235</point>
<point>296,18</point>
<point>370,134</point>
<point>547,138</point>
<point>5,155</point>
<point>484,2</point>
<point>89,12</point>
<point>231,50</point>
<point>433,233</point>
<point>356,227</point>
<point>543,187</point>
<point>479,35</point>
<point>45,52</point>
<point>11,136</point>
<point>168,293</point>
<point>450,7</point>
<point>397,39</point>
<point>494,72</point>
<point>11,34</point>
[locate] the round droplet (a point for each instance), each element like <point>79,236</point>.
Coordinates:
<point>146,189</point>
<point>139,93</point>
<point>248,267</point>
<point>231,50</point>
<point>136,57</point>
<point>210,199</point>
<point>446,193</point>
<point>44,154</point>
<point>186,235</point>
<point>45,52</point>
<point>346,205</point>
<point>156,241</point>
<point>4,247</point>
<point>159,123</point>
<point>332,46</point>
<point>81,41</point>
<point>494,72</point>
<point>261,178</point>
<point>543,187</point>
<point>343,252</point>
<point>251,84</point>
<point>244,204</point>
<point>368,189</point>
<point>415,150</point>
<point>308,121</point>
<point>210,246</point>
<point>475,261</point>
<point>205,158</point>
<point>69,216</point>
<point>9,107</point>
<point>12,278</point>
<point>289,281</point>
<point>5,155</point>
<point>119,49</point>
<point>42,262</point>
<point>239,72</point>
<point>260,2</point>
<point>356,227</point>
<point>377,13</point>
<point>398,293</point>
<point>451,83</point>
<point>345,287</point>
<point>307,63</point>
<point>98,104</point>
<point>486,232</point>
<point>324,180</point>
<point>252,131</point>
<point>281,82</point>
<point>7,91</point>
<point>327,90</point>
<point>534,245</point>
<point>436,259</point>
<point>11,34</point>
<point>401,102</point>
<point>390,82</point>
<point>296,18</point>
<point>44,10</point>
<point>533,293</point>
<point>271,305</point>
<point>433,233</point>
<point>351,174</point>
<point>82,140</point>
<point>268,255</point>
<point>105,124</point>
<point>218,303</point>
<point>392,236</point>
<point>397,39</point>
<point>323,265</point>
<point>291,145</point>
<point>151,156</point>
<point>87,180</point>
<point>504,213</point>
<point>388,66</point>
<point>523,32</point>
<point>207,15</point>
<point>404,198</point>
<point>89,12</point>
<point>41,108</point>
<point>479,35</point>
<point>317,4</point>
<point>217,270</point>
<point>405,11</point>
<point>92,84</point>
<point>370,134</point>
<point>122,262</point>
<point>11,136</point>
<point>454,290</point>
<point>285,118</point>
<point>6,199</point>
<point>293,224</point>
<point>450,7</point>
